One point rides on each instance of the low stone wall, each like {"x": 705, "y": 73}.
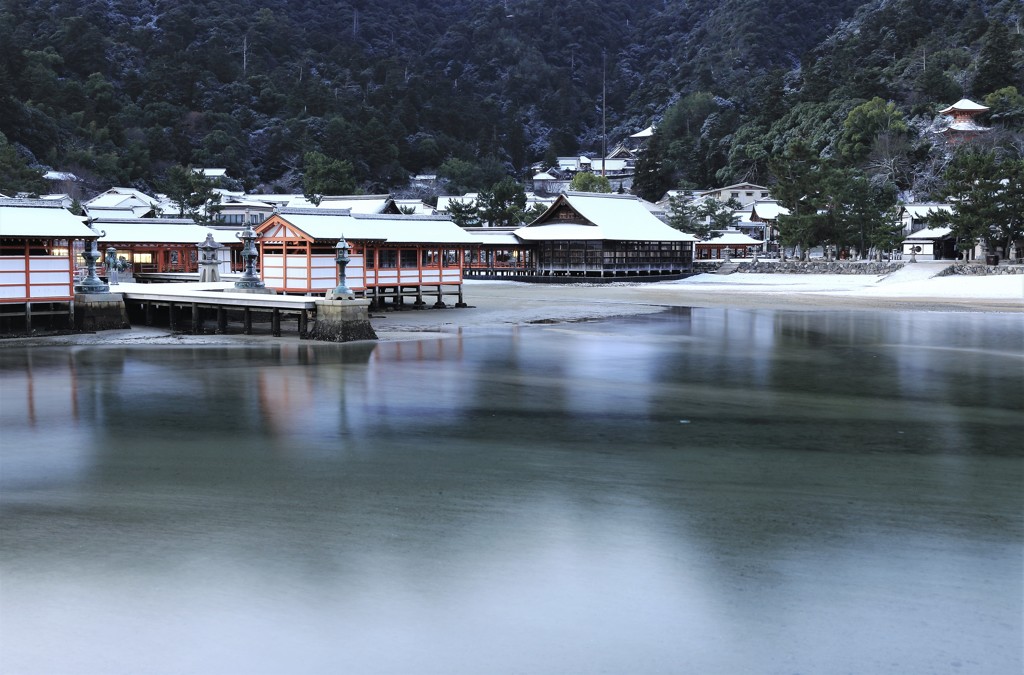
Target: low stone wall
{"x": 706, "y": 266}
{"x": 976, "y": 269}
{"x": 820, "y": 267}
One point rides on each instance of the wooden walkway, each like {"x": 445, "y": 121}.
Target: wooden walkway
{"x": 195, "y": 303}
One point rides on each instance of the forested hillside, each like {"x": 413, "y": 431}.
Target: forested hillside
{"x": 119, "y": 91}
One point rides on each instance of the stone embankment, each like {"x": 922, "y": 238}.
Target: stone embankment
{"x": 980, "y": 270}
{"x": 820, "y": 267}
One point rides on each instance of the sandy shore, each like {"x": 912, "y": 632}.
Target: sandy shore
{"x": 503, "y": 303}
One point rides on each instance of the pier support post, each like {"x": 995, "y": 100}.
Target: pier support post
{"x": 462, "y": 301}
{"x": 197, "y": 323}
{"x": 149, "y": 312}
{"x": 342, "y": 321}
{"x": 247, "y": 321}
{"x": 275, "y": 323}
{"x": 172, "y": 316}
{"x": 222, "y": 320}
{"x": 100, "y": 311}
{"x": 303, "y": 324}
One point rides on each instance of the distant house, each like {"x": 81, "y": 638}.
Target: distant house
{"x": 767, "y": 211}
{"x": 39, "y": 242}
{"x": 915, "y": 216}
{"x": 122, "y": 202}
{"x": 744, "y": 193}
{"x": 605, "y": 235}
{"x": 729, "y": 244}
{"x": 931, "y": 243}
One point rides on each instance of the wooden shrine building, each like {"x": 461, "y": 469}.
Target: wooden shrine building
{"x": 38, "y": 244}
{"x": 390, "y": 255}
{"x": 164, "y": 245}
{"x": 605, "y": 235}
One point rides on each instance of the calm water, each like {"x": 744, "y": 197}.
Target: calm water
{"x": 705, "y": 491}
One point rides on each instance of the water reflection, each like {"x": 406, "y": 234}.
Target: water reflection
{"x": 703, "y": 490}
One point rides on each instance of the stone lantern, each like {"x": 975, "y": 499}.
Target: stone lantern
{"x": 341, "y": 291}
{"x": 208, "y": 263}
{"x": 249, "y": 279}
{"x": 92, "y": 283}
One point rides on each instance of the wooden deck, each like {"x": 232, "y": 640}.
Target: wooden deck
{"x": 219, "y": 303}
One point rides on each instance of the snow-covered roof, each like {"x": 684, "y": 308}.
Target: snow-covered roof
{"x": 444, "y": 202}
{"x": 158, "y": 231}
{"x": 598, "y": 165}
{"x": 355, "y": 203}
{"x": 543, "y": 175}
{"x": 646, "y": 133}
{"x": 924, "y": 210}
{"x": 964, "y": 105}
{"x": 419, "y": 208}
{"x": 965, "y": 125}
{"x": 120, "y": 197}
{"x": 612, "y": 217}
{"x": 212, "y": 173}
{"x": 768, "y": 209}
{"x": 119, "y": 212}
{"x": 931, "y": 233}
{"x": 488, "y": 236}
{"x": 60, "y": 175}
{"x": 732, "y": 239}
{"x": 38, "y": 218}
{"x": 391, "y": 228}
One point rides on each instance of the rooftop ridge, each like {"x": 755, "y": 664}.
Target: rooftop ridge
{"x": 33, "y": 203}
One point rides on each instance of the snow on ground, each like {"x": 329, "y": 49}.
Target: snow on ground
{"x": 913, "y": 281}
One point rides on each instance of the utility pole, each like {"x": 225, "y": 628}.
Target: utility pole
{"x": 604, "y": 111}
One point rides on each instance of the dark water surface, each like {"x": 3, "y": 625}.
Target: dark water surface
{"x": 702, "y": 491}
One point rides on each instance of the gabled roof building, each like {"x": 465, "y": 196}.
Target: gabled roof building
{"x": 605, "y": 235}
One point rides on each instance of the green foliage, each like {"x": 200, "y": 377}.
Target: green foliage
{"x": 1007, "y": 107}
{"x": 987, "y": 193}
{"x": 120, "y": 91}
{"x": 326, "y": 176}
{"x": 867, "y": 123}
{"x": 464, "y": 176}
{"x": 588, "y": 181}
{"x": 192, "y": 193}
{"x": 464, "y": 214}
{"x": 503, "y": 205}
{"x": 703, "y": 218}
{"x": 15, "y": 175}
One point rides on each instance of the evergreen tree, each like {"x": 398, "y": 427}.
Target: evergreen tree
{"x": 326, "y": 176}
{"x": 987, "y": 194}
{"x": 588, "y": 181}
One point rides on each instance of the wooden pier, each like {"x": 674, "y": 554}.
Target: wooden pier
{"x": 221, "y": 301}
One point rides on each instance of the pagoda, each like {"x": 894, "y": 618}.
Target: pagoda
{"x": 964, "y": 126}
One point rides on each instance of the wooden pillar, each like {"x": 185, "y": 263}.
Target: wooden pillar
{"x": 462, "y": 301}
{"x": 149, "y": 312}
{"x": 275, "y": 322}
{"x": 172, "y": 316}
{"x": 222, "y": 320}
{"x": 247, "y": 321}
{"x": 28, "y": 317}
{"x": 197, "y": 323}
{"x": 303, "y": 323}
